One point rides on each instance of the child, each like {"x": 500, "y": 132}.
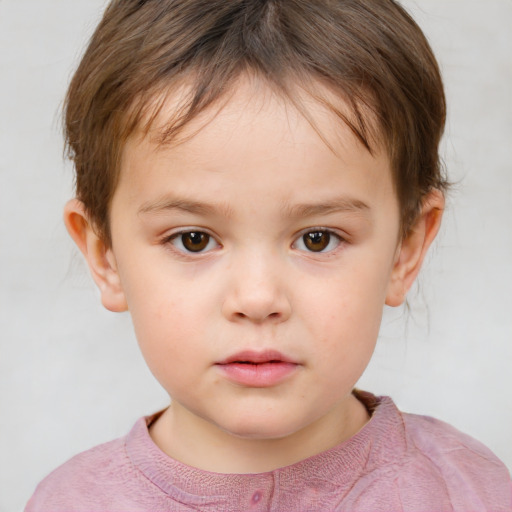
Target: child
{"x": 255, "y": 180}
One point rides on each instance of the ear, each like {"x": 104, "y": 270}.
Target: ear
{"x": 98, "y": 254}
{"x": 413, "y": 248}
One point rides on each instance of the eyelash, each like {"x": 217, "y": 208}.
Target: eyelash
{"x": 331, "y": 236}
{"x": 176, "y": 240}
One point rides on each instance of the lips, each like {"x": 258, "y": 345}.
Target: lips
{"x": 257, "y": 369}
{"x": 255, "y": 357}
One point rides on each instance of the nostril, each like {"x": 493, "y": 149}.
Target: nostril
{"x": 275, "y": 315}
{"x": 256, "y": 308}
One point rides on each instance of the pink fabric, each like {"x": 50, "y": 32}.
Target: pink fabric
{"x": 396, "y": 462}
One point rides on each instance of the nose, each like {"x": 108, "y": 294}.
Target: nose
{"x": 256, "y": 291}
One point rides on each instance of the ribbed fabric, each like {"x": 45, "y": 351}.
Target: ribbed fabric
{"x": 397, "y": 462}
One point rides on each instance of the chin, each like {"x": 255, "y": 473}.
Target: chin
{"x": 260, "y": 428}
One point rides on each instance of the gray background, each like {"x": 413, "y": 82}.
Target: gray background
{"x": 70, "y": 372}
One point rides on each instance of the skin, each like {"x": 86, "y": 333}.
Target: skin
{"x": 255, "y": 177}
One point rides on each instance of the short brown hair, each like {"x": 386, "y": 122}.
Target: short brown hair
{"x": 370, "y": 52}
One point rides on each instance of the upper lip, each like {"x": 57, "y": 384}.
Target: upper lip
{"x": 255, "y": 357}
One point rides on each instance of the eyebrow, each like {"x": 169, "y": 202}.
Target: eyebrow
{"x": 342, "y": 204}
{"x": 337, "y": 205}
{"x": 185, "y": 205}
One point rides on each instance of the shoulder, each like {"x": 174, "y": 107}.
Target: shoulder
{"x": 454, "y": 464}
{"x": 434, "y": 437}
{"x": 99, "y": 477}
{"x": 79, "y": 478}
{"x": 421, "y": 463}
{"x": 445, "y": 446}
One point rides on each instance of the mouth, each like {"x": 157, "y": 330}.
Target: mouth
{"x": 255, "y": 357}
{"x": 257, "y": 369}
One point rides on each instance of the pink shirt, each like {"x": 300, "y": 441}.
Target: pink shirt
{"x": 397, "y": 462}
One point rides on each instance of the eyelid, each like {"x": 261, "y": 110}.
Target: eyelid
{"x": 331, "y": 231}
{"x": 168, "y": 238}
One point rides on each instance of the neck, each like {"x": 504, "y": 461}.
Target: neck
{"x": 198, "y": 443}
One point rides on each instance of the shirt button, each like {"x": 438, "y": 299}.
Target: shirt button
{"x": 256, "y": 497}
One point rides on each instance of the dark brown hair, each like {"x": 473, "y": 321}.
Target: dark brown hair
{"x": 369, "y": 52}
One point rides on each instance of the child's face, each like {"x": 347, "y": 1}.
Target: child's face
{"x": 254, "y": 242}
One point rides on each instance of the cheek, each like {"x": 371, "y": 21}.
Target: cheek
{"x": 347, "y": 337}
{"x": 344, "y": 317}
{"x": 169, "y": 321}
{"x": 343, "y": 354}
{"x": 349, "y": 301}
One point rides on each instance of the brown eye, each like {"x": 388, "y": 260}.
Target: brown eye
{"x": 193, "y": 241}
{"x": 316, "y": 241}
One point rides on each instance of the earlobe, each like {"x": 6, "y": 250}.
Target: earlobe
{"x": 99, "y": 256}
{"x": 413, "y": 248}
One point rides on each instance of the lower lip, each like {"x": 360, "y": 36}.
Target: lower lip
{"x": 261, "y": 375}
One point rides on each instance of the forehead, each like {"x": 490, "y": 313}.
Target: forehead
{"x": 256, "y": 130}
{"x": 177, "y": 111}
